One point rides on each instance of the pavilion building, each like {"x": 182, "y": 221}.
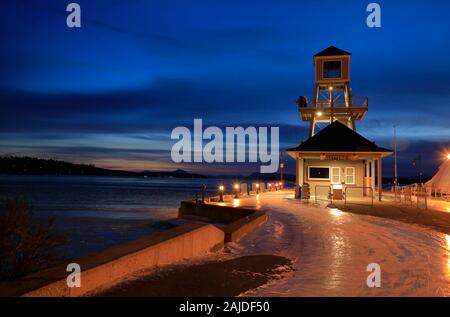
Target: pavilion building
{"x": 336, "y": 156}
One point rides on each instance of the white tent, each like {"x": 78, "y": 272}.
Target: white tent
{"x": 441, "y": 181}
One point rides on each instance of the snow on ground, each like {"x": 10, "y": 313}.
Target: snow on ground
{"x": 331, "y": 249}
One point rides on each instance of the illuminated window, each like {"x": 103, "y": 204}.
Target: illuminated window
{"x": 318, "y": 173}
{"x": 350, "y": 175}
{"x": 332, "y": 69}
{"x": 335, "y": 175}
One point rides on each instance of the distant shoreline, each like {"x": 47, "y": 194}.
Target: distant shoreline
{"x": 13, "y": 165}
{"x": 386, "y": 180}
{"x": 30, "y": 166}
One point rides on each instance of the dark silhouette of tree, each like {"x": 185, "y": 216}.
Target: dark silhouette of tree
{"x": 26, "y": 245}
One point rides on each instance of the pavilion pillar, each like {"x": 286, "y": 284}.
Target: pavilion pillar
{"x": 367, "y": 177}
{"x": 372, "y": 176}
{"x": 380, "y": 178}
{"x": 301, "y": 171}
{"x": 368, "y": 171}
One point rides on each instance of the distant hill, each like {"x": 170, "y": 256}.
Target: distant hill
{"x": 178, "y": 173}
{"x": 271, "y": 177}
{"x": 258, "y": 176}
{"x": 36, "y": 166}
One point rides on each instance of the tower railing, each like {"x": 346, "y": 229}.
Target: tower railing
{"x": 322, "y": 103}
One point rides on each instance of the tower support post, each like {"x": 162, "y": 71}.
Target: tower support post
{"x": 311, "y": 127}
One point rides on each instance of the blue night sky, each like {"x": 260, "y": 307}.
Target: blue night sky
{"x": 111, "y": 92}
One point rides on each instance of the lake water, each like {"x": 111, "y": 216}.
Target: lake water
{"x": 97, "y": 212}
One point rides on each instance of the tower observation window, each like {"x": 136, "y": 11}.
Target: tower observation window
{"x": 332, "y": 69}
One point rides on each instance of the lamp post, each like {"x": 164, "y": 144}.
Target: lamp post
{"x": 203, "y": 193}
{"x": 418, "y": 159}
{"x": 236, "y": 190}
{"x": 395, "y": 157}
{"x": 221, "y": 189}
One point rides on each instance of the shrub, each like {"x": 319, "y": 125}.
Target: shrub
{"x": 26, "y": 245}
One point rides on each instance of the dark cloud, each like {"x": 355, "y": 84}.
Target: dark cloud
{"x": 162, "y": 106}
{"x": 136, "y": 70}
{"x": 87, "y": 153}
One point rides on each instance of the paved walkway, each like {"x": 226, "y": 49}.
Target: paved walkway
{"x": 331, "y": 249}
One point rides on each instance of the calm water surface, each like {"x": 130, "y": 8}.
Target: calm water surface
{"x": 98, "y": 212}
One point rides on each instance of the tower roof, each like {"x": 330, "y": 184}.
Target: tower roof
{"x": 337, "y": 137}
{"x": 332, "y": 51}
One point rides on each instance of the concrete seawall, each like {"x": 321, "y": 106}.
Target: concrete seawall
{"x": 107, "y": 267}
{"x": 237, "y": 222}
{"x": 240, "y": 228}
{"x": 104, "y": 269}
{"x": 212, "y": 213}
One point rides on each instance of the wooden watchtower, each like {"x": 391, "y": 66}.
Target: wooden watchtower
{"x": 333, "y": 99}
{"x": 336, "y": 158}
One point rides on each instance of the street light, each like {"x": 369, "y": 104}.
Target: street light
{"x": 236, "y": 190}
{"x": 221, "y": 189}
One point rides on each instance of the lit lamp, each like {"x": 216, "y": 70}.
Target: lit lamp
{"x": 448, "y": 156}
{"x": 257, "y": 188}
{"x": 270, "y": 186}
{"x": 319, "y": 113}
{"x": 281, "y": 185}
{"x": 221, "y": 189}
{"x": 236, "y": 190}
